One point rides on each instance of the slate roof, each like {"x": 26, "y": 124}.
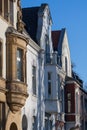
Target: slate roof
{"x": 55, "y": 39}
{"x": 30, "y": 18}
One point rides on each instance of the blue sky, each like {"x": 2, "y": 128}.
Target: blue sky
{"x": 72, "y": 15}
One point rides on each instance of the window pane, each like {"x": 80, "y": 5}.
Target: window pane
{"x": 69, "y": 106}
{"x": 34, "y": 124}
{"x": 0, "y": 59}
{"x": 11, "y": 11}
{"x": 59, "y": 85}
{"x": 69, "y": 96}
{"x": 2, "y": 115}
{"x": 6, "y": 12}
{"x": 49, "y": 83}
{"x": 19, "y": 64}
{"x": 49, "y": 88}
{"x": 34, "y": 79}
{"x": 0, "y": 7}
{"x": 49, "y": 75}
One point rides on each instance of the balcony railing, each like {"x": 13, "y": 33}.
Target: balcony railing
{"x": 53, "y": 58}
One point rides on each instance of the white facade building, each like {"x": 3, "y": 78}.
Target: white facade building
{"x": 52, "y": 64}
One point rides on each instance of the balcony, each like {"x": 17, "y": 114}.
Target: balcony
{"x": 52, "y": 58}
{"x": 52, "y": 105}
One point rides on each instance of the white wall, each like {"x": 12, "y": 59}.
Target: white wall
{"x": 66, "y": 53}
{"x": 30, "y": 108}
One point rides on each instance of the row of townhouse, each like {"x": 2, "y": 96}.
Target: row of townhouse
{"x": 38, "y": 90}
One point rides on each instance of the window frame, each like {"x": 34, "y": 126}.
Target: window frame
{"x": 18, "y": 59}
{"x": 34, "y": 89}
{"x": 49, "y": 84}
{"x": 6, "y": 8}
{"x": 69, "y": 104}
{"x": 1, "y": 57}
{"x": 2, "y": 115}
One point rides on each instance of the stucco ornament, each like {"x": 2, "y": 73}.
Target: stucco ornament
{"x": 20, "y": 23}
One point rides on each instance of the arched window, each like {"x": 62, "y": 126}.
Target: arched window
{"x": 13, "y": 126}
{"x": 24, "y": 123}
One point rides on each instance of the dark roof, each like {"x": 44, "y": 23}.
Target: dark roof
{"x": 30, "y": 18}
{"x": 55, "y": 39}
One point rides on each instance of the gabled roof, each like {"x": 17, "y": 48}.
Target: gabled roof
{"x": 30, "y": 18}
{"x": 55, "y": 39}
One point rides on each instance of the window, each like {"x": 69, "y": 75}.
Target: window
{"x": 11, "y": 12}
{"x": 66, "y": 65}
{"x": 20, "y": 64}
{"x": 24, "y": 122}
{"x": 34, "y": 124}
{"x": 69, "y": 101}
{"x": 49, "y": 83}
{"x": 48, "y": 59}
{"x": 59, "y": 85}
{"x": 85, "y": 105}
{"x": 2, "y": 115}
{"x": 34, "y": 79}
{"x": 0, "y": 59}
{"x": 6, "y": 10}
{"x": 0, "y": 7}
{"x": 48, "y": 122}
{"x": 13, "y": 126}
{"x": 77, "y": 103}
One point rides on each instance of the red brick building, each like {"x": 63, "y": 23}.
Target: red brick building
{"x": 75, "y": 104}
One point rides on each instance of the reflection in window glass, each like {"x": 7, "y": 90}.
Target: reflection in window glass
{"x": 20, "y": 64}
